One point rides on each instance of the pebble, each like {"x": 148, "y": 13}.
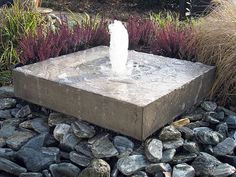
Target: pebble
{"x": 231, "y": 121}
{"x": 230, "y": 159}
{"x": 69, "y": 141}
{"x": 97, "y": 168}
{"x": 31, "y": 174}
{"x": 211, "y": 119}
{"x": 36, "y": 142}
{"x": 197, "y": 124}
{"x": 223, "y": 170}
{"x": 153, "y": 150}
{"x": 23, "y": 112}
{"x": 6, "y": 103}
{"x": 222, "y": 129}
{"x": 5, "y": 114}
{"x": 115, "y": 171}
{"x": 80, "y": 159}
{"x": 2, "y": 142}
{"x": 123, "y": 145}
{"x": 64, "y": 169}
{"x": 7, "y": 153}
{"x": 131, "y": 164}
{"x": 184, "y": 157}
{"x": 174, "y": 144}
{"x": 191, "y": 147}
{"x": 46, "y": 173}
{"x": 84, "y": 148}
{"x": 157, "y": 167}
{"x": 140, "y": 174}
{"x": 6, "y": 92}
{"x": 168, "y": 155}
{"x": 169, "y": 133}
{"x": 226, "y": 111}
{"x": 181, "y": 122}
{"x": 226, "y": 147}
{"x": 186, "y": 132}
{"x": 59, "y": 118}
{"x": 38, "y": 124}
{"x": 183, "y": 170}
{"x": 209, "y": 106}
{"x": 14, "y": 111}
{"x": 82, "y": 129}
{"x": 11, "y": 167}
{"x": 194, "y": 117}
{"x": 60, "y": 130}
{"x": 103, "y": 148}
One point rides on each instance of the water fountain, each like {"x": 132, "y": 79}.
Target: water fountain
{"x": 133, "y": 95}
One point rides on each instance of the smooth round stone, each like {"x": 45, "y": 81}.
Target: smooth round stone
{"x": 205, "y": 135}
{"x": 123, "y": 145}
{"x": 83, "y": 130}
{"x": 222, "y": 129}
{"x": 5, "y": 114}
{"x": 31, "y": 174}
{"x": 131, "y": 164}
{"x": 60, "y": 130}
{"x": 209, "y": 106}
{"x": 204, "y": 164}
{"x": 59, "y": 118}
{"x": 153, "y": 150}
{"x": 103, "y": 148}
{"x": 11, "y": 167}
{"x": 226, "y": 147}
{"x": 157, "y": 167}
{"x": 231, "y": 121}
{"x": 84, "y": 148}
{"x": 191, "y": 147}
{"x": 169, "y": 133}
{"x": 181, "y": 122}
{"x": 174, "y": 144}
{"x": 183, "y": 170}
{"x": 223, "y": 170}
{"x": 97, "y": 168}
{"x": 69, "y": 141}
{"x": 23, "y": 112}
{"x": 80, "y": 159}
{"x": 97, "y": 137}
{"x": 168, "y": 155}
{"x": 182, "y": 158}
{"x": 140, "y": 174}
{"x": 6, "y": 91}
{"x": 64, "y": 169}
{"x": 186, "y": 132}
{"x": 6, "y": 103}
{"x": 217, "y": 115}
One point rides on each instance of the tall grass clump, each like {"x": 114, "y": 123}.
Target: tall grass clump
{"x": 215, "y": 43}
{"x": 15, "y": 22}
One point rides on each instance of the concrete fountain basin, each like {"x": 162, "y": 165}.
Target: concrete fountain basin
{"x": 155, "y": 91}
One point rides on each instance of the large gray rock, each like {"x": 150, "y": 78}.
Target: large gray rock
{"x": 123, "y": 145}
{"x": 97, "y": 168}
{"x": 82, "y": 129}
{"x": 183, "y": 170}
{"x": 225, "y": 147}
{"x": 11, "y": 167}
{"x": 153, "y": 150}
{"x": 169, "y": 133}
{"x": 6, "y": 103}
{"x": 131, "y": 164}
{"x": 64, "y": 169}
{"x": 103, "y": 148}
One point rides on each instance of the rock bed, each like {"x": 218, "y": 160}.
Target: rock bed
{"x": 35, "y": 142}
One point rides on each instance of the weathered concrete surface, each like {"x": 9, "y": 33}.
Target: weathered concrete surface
{"x": 155, "y": 90}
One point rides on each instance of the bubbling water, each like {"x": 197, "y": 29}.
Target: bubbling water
{"x": 118, "y": 51}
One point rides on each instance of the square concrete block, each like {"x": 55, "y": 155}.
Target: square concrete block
{"x": 155, "y": 90}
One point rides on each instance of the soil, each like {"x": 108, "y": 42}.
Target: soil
{"x": 113, "y": 9}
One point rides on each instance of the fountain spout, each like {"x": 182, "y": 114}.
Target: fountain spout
{"x": 119, "y": 42}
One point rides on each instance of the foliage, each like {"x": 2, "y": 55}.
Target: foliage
{"x": 14, "y": 22}
{"x": 215, "y": 43}
{"x": 47, "y": 43}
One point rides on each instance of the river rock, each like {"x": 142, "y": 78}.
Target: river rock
{"x": 183, "y": 157}
{"x": 225, "y": 147}
{"x": 36, "y": 142}
{"x": 131, "y": 164}
{"x": 230, "y": 159}
{"x": 97, "y": 137}
{"x": 2, "y": 142}
{"x": 115, "y": 171}
{"x": 223, "y": 170}
{"x": 157, "y": 167}
{"x": 31, "y": 174}
{"x": 36, "y": 160}
{"x": 169, "y": 133}
{"x": 181, "y": 122}
{"x": 191, "y": 147}
{"x": 14, "y": 111}
{"x": 80, "y": 159}
{"x": 7, "y": 153}
{"x": 82, "y": 129}
{"x": 173, "y": 144}
{"x": 195, "y": 117}
{"x": 6, "y": 91}
{"x": 11, "y": 167}
{"x": 205, "y": 135}
{"x": 204, "y": 164}
{"x": 60, "y": 130}
{"x": 168, "y": 155}
{"x": 140, "y": 174}
{"x": 38, "y": 124}
{"x": 64, "y": 169}
{"x": 69, "y": 141}
{"x": 198, "y": 124}
{"x": 226, "y": 111}
{"x": 222, "y": 129}
{"x": 209, "y": 106}
{"x": 6, "y": 103}
{"x": 59, "y": 118}
{"x": 217, "y": 115}
{"x": 183, "y": 170}
{"x": 123, "y": 145}
{"x": 84, "y": 148}
{"x": 46, "y": 173}
{"x": 186, "y": 132}
{"x": 211, "y": 119}
{"x": 5, "y": 114}
{"x": 153, "y": 150}
{"x": 97, "y": 168}
{"x": 103, "y": 148}
{"x": 23, "y": 112}
{"x": 231, "y": 121}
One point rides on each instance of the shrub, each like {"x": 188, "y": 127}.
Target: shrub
{"x": 215, "y": 44}
{"x": 14, "y": 22}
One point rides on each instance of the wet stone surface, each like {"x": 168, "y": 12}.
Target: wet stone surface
{"x": 43, "y": 144}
